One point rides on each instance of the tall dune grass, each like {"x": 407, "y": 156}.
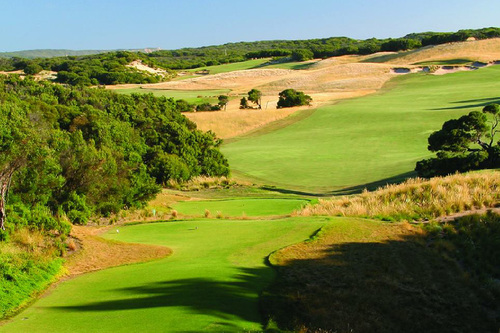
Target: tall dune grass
{"x": 417, "y": 198}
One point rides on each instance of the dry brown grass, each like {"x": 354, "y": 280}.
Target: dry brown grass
{"x": 234, "y": 122}
{"x": 482, "y": 50}
{"x": 227, "y": 124}
{"x": 417, "y": 198}
{"x": 97, "y": 253}
{"x": 198, "y": 183}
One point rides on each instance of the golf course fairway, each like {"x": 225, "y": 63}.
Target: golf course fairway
{"x": 211, "y": 282}
{"x": 367, "y": 140}
{"x": 241, "y": 207}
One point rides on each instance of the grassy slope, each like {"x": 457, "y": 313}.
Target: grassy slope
{"x": 191, "y": 96}
{"x": 237, "y": 66}
{"x": 241, "y": 207}
{"x": 296, "y": 65}
{"x": 364, "y": 140}
{"x": 210, "y": 283}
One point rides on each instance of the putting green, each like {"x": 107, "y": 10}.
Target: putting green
{"x": 373, "y": 139}
{"x": 241, "y": 207}
{"x": 210, "y": 283}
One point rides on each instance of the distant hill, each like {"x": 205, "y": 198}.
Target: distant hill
{"x": 51, "y": 53}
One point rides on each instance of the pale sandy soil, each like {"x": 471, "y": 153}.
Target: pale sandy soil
{"x": 137, "y": 64}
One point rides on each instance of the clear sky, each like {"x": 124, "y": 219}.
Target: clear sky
{"x": 171, "y": 24}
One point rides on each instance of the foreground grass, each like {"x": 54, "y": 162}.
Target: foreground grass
{"x": 240, "y": 207}
{"x": 210, "y": 283}
{"x": 367, "y": 276}
{"x": 417, "y": 198}
{"x": 191, "y": 96}
{"x": 28, "y": 264}
{"x": 365, "y": 142}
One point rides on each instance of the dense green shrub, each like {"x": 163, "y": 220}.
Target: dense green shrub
{"x": 302, "y": 55}
{"x": 33, "y": 69}
{"x": 78, "y": 151}
{"x": 291, "y": 97}
{"x": 464, "y": 144}
{"x": 208, "y": 107}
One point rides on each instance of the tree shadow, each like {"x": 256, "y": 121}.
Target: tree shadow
{"x": 347, "y": 190}
{"x": 225, "y": 300}
{"x": 471, "y": 103}
{"x": 391, "y": 286}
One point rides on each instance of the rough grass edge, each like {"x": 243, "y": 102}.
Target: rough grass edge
{"x": 416, "y": 198}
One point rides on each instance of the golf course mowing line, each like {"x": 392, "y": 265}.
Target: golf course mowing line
{"x": 211, "y": 282}
{"x": 235, "y": 66}
{"x": 241, "y": 207}
{"x": 364, "y": 140}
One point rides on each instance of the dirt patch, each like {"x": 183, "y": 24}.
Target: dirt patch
{"x": 137, "y": 64}
{"x": 97, "y": 253}
{"x": 452, "y": 69}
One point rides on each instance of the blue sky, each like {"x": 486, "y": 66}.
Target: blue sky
{"x": 168, "y": 24}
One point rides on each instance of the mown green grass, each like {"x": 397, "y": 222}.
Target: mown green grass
{"x": 237, "y": 66}
{"x": 240, "y": 207}
{"x": 210, "y": 283}
{"x": 373, "y": 139}
{"x": 191, "y": 96}
{"x": 295, "y": 65}
{"x": 446, "y": 62}
{"x": 22, "y": 277}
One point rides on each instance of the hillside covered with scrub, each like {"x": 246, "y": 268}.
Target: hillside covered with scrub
{"x": 111, "y": 67}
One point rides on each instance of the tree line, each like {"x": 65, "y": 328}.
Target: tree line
{"x": 109, "y": 68}
{"x": 73, "y": 152}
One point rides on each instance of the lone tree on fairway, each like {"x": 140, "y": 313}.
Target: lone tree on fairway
{"x": 255, "y": 96}
{"x": 463, "y": 144}
{"x": 292, "y": 97}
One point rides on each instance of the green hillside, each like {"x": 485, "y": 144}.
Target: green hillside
{"x": 369, "y": 140}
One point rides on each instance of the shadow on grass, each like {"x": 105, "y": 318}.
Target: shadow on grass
{"x": 391, "y": 286}
{"x": 471, "y": 103}
{"x": 348, "y": 190}
{"x": 222, "y": 299}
